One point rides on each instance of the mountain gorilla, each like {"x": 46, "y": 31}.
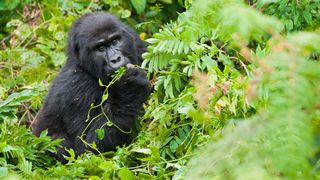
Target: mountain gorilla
{"x": 98, "y": 45}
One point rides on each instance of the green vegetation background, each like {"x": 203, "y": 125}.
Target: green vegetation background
{"x": 236, "y": 89}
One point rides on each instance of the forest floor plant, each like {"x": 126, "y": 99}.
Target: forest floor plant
{"x": 235, "y": 92}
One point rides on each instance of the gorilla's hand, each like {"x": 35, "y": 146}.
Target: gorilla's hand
{"x": 135, "y": 77}
{"x": 134, "y": 84}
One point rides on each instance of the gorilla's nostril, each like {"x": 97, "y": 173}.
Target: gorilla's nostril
{"x": 115, "y": 60}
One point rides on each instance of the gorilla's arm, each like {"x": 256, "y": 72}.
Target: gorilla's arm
{"x": 65, "y": 107}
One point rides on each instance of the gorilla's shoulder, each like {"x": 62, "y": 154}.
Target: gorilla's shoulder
{"x": 72, "y": 80}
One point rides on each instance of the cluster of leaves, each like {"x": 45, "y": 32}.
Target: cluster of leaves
{"x": 295, "y": 15}
{"x": 228, "y": 80}
{"x": 7, "y": 12}
{"x": 279, "y": 141}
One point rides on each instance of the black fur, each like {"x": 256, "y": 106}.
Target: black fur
{"x": 76, "y": 87}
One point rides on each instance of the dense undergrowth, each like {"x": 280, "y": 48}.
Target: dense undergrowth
{"x": 236, "y": 90}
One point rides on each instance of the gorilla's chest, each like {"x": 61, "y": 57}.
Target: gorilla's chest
{"x": 79, "y": 96}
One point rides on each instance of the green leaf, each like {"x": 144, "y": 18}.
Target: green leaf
{"x": 107, "y": 165}
{"x": 167, "y": 81}
{"x": 60, "y": 35}
{"x": 19, "y": 97}
{"x": 142, "y": 150}
{"x": 155, "y": 152}
{"x": 100, "y": 133}
{"x": 125, "y": 174}
{"x": 101, "y": 83}
{"x": 58, "y": 58}
{"x": 169, "y": 91}
{"x": 139, "y": 5}
{"x": 94, "y": 178}
{"x": 288, "y": 24}
{"x": 167, "y": 140}
{"x": 71, "y": 156}
{"x": 104, "y": 97}
{"x": 167, "y": 1}
{"x": 125, "y": 14}
{"x": 307, "y": 16}
{"x": 9, "y": 5}
{"x": 182, "y": 134}
{"x": 44, "y": 133}
{"x": 109, "y": 123}
{"x": 152, "y": 41}
{"x": 3, "y": 171}
{"x": 173, "y": 146}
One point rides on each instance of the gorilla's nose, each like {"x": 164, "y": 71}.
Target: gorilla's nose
{"x": 115, "y": 59}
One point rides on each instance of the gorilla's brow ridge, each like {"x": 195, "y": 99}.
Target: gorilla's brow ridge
{"x": 109, "y": 38}
{"x": 101, "y": 41}
{"x": 113, "y": 35}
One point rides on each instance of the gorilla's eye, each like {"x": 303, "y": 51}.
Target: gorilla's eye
{"x": 115, "y": 41}
{"x": 101, "y": 48}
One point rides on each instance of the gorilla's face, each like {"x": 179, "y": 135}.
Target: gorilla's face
{"x": 102, "y": 45}
{"x": 108, "y": 51}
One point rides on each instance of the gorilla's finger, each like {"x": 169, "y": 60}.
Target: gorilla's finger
{"x": 129, "y": 66}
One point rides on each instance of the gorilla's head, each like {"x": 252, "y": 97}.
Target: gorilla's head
{"x": 100, "y": 44}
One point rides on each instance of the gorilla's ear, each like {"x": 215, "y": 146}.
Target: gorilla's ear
{"x": 141, "y": 48}
{"x": 73, "y": 44}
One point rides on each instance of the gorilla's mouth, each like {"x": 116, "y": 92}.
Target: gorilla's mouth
{"x": 109, "y": 71}
{"x": 113, "y": 66}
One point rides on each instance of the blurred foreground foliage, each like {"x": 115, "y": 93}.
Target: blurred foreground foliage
{"x": 236, "y": 89}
